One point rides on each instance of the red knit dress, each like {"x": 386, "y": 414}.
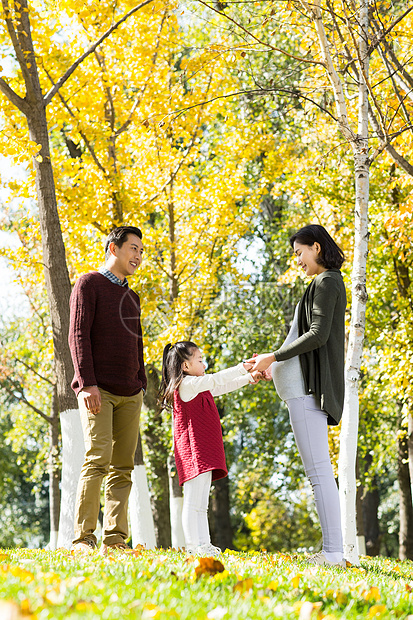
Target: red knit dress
{"x": 198, "y": 442}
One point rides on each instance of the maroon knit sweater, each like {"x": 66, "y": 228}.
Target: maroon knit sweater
{"x": 105, "y": 336}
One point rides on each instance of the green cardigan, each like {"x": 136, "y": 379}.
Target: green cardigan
{"x": 320, "y": 344}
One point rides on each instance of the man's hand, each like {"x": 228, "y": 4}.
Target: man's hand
{"x": 261, "y": 362}
{"x": 92, "y": 399}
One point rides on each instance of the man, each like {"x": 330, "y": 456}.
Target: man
{"x": 105, "y": 341}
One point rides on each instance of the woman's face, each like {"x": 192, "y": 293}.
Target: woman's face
{"x": 307, "y": 258}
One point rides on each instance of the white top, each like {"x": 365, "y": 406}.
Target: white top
{"x": 287, "y": 376}
{"x": 217, "y": 383}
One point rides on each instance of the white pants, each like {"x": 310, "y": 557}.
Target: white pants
{"x": 309, "y": 424}
{"x": 195, "y": 510}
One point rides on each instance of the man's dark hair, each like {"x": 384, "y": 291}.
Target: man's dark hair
{"x": 119, "y": 235}
{"x": 331, "y": 256}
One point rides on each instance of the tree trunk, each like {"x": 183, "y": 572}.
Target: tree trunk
{"x": 54, "y": 473}
{"x": 349, "y": 428}
{"x": 405, "y": 494}
{"x": 221, "y": 528}
{"x": 58, "y": 292}
{"x": 370, "y": 505}
{"x": 155, "y": 441}
{"x": 361, "y": 540}
{"x": 142, "y": 525}
{"x": 54, "y": 260}
{"x": 176, "y": 501}
{"x": 410, "y": 445}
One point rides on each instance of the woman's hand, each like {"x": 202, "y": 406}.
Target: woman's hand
{"x": 261, "y": 362}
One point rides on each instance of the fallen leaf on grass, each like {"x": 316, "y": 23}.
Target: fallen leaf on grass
{"x": 151, "y": 611}
{"x": 9, "y": 610}
{"x": 25, "y": 607}
{"x": 21, "y": 573}
{"x": 372, "y": 595}
{"x": 376, "y": 611}
{"x": 244, "y": 585}
{"x": 296, "y": 580}
{"x": 273, "y": 585}
{"x": 208, "y": 566}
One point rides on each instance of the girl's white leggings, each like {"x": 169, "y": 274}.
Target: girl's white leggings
{"x": 195, "y": 510}
{"x": 309, "y": 424}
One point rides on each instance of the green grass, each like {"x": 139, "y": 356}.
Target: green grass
{"x": 164, "y": 584}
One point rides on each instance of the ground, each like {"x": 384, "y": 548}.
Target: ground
{"x": 37, "y": 584}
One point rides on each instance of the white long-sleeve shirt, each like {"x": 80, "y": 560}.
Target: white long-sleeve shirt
{"x": 218, "y": 383}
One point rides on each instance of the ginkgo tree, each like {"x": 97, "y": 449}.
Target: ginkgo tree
{"x": 335, "y": 45}
{"x": 182, "y": 183}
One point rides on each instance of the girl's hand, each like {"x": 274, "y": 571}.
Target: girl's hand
{"x": 256, "y": 375}
{"x": 261, "y": 362}
{"x": 267, "y": 374}
{"x": 247, "y": 365}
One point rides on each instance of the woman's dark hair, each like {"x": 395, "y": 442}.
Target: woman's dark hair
{"x": 331, "y": 256}
{"x": 119, "y": 235}
{"x": 172, "y": 373}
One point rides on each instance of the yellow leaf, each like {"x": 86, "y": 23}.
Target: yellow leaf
{"x": 295, "y": 580}
{"x": 376, "y": 611}
{"x": 243, "y": 586}
{"x": 208, "y": 566}
{"x": 273, "y": 585}
{"x": 372, "y": 595}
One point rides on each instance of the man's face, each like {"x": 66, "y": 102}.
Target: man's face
{"x": 127, "y": 258}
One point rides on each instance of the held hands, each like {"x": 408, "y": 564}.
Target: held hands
{"x": 92, "y": 398}
{"x": 261, "y": 362}
{"x": 257, "y": 376}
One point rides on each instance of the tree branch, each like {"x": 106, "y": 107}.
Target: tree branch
{"x": 17, "y": 46}
{"x": 49, "y": 96}
{"x": 81, "y": 133}
{"x": 315, "y": 12}
{"x": 144, "y": 87}
{"x": 385, "y": 145}
{"x": 379, "y": 37}
{"x": 13, "y": 97}
{"x": 275, "y": 49}
{"x": 34, "y": 371}
{"x": 21, "y": 398}
{"x": 293, "y": 93}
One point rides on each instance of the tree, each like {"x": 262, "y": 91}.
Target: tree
{"x": 32, "y": 103}
{"x": 346, "y": 30}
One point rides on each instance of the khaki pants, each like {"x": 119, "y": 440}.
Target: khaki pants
{"x": 111, "y": 438}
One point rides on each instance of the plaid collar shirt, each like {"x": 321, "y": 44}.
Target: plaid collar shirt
{"x": 111, "y": 276}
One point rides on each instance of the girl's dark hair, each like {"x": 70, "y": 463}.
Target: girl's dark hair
{"x": 172, "y": 373}
{"x": 331, "y": 256}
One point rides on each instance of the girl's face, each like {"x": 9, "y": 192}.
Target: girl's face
{"x": 307, "y": 258}
{"x": 195, "y": 366}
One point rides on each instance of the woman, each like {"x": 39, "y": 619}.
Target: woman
{"x": 308, "y": 373}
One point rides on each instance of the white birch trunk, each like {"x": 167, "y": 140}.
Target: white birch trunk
{"x": 359, "y": 142}
{"x": 73, "y": 455}
{"x": 177, "y": 532}
{"x": 349, "y": 429}
{"x": 141, "y": 518}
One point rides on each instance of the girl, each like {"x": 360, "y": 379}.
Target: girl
{"x": 198, "y": 444}
{"x": 308, "y": 373}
